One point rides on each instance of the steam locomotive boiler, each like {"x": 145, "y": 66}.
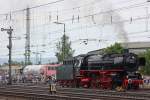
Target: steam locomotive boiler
{"x": 111, "y": 71}
{"x": 107, "y": 71}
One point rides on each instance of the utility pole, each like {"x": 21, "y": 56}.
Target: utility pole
{"x": 9, "y": 31}
{"x": 27, "y": 44}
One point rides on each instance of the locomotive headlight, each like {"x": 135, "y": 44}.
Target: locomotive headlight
{"x": 142, "y": 76}
{"x": 127, "y": 76}
{"x": 129, "y": 81}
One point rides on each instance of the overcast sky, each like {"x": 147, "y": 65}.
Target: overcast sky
{"x": 126, "y": 24}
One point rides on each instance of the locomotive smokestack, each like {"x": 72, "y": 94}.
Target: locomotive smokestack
{"x": 126, "y": 50}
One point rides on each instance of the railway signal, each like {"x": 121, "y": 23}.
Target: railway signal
{"x": 9, "y": 31}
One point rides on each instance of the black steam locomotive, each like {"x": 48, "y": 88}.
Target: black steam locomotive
{"x": 102, "y": 71}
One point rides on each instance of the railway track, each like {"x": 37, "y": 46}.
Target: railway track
{"x": 83, "y": 90}
{"x": 72, "y": 93}
{"x": 67, "y": 95}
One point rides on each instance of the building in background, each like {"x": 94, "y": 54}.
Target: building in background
{"x": 16, "y": 69}
{"x": 134, "y": 47}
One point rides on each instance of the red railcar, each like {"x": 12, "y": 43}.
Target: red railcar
{"x": 107, "y": 71}
{"x": 49, "y": 70}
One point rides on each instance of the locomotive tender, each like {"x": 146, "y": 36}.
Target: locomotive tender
{"x": 107, "y": 71}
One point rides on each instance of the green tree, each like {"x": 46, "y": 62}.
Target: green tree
{"x": 146, "y": 69}
{"x": 115, "y": 48}
{"x": 64, "y": 49}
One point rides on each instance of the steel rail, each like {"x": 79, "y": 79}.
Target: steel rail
{"x": 145, "y": 94}
{"x": 78, "y": 92}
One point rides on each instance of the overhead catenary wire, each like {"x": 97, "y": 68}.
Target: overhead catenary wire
{"x": 81, "y": 17}
{"x": 123, "y": 21}
{"x": 55, "y": 2}
{"x": 132, "y": 33}
{"x": 109, "y": 11}
{"x": 104, "y": 24}
{"x": 42, "y": 5}
{"x": 20, "y": 10}
{"x": 78, "y": 7}
{"x": 103, "y": 12}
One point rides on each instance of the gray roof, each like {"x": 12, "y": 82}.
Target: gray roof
{"x": 135, "y": 47}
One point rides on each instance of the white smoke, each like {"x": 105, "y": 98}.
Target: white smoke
{"x": 106, "y": 18}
